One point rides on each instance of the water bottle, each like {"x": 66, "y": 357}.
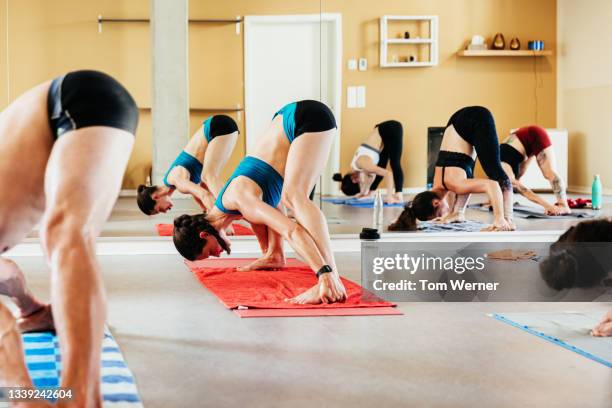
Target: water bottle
{"x": 377, "y": 214}
{"x": 596, "y": 193}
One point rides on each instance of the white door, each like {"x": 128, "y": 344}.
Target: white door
{"x": 290, "y": 58}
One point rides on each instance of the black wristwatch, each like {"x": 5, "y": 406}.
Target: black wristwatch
{"x": 324, "y": 269}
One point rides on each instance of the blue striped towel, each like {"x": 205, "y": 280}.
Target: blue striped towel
{"x": 43, "y": 359}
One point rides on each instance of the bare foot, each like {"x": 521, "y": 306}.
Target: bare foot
{"x": 13, "y": 371}
{"x": 263, "y": 264}
{"x": 39, "y": 321}
{"x": 310, "y": 297}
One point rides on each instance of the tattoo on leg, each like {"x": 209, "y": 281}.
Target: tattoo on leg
{"x": 559, "y": 189}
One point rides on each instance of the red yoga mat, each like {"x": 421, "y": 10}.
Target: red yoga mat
{"x": 262, "y": 293}
{"x": 165, "y": 230}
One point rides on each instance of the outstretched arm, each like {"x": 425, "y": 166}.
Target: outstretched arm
{"x": 547, "y": 162}
{"x": 371, "y": 170}
{"x": 491, "y": 189}
{"x": 180, "y": 178}
{"x": 329, "y": 288}
{"x": 256, "y": 211}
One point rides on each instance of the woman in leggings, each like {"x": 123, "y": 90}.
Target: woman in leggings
{"x": 283, "y": 168}
{"x": 369, "y": 165}
{"x": 78, "y": 132}
{"x": 518, "y": 152}
{"x": 469, "y": 129}
{"x": 196, "y": 170}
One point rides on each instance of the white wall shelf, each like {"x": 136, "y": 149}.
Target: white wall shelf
{"x": 431, "y": 42}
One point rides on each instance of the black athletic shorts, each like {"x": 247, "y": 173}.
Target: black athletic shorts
{"x": 82, "y": 99}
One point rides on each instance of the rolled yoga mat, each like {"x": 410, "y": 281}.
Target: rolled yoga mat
{"x": 570, "y": 330}
{"x": 264, "y": 292}
{"x": 43, "y": 359}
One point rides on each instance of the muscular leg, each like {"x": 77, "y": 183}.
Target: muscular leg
{"x": 271, "y": 244}
{"x": 305, "y": 162}
{"x": 82, "y": 182}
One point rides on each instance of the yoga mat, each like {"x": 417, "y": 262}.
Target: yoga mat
{"x": 43, "y": 360}
{"x": 165, "y": 230}
{"x": 356, "y": 202}
{"x": 347, "y": 311}
{"x": 466, "y": 226}
{"x": 570, "y": 330}
{"x": 526, "y": 211}
{"x": 268, "y": 289}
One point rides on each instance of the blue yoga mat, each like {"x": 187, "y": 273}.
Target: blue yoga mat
{"x": 570, "y": 330}
{"x": 43, "y": 360}
{"x": 465, "y": 226}
{"x": 356, "y": 202}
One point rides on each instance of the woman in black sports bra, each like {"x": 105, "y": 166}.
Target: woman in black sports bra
{"x": 469, "y": 130}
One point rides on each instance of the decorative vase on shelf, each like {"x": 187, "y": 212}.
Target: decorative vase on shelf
{"x": 515, "y": 44}
{"x": 499, "y": 43}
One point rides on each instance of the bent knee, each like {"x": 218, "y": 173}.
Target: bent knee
{"x": 63, "y": 228}
{"x": 292, "y": 198}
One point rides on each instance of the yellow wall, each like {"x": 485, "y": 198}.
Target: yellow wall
{"x": 585, "y": 89}
{"x": 48, "y": 38}
{"x": 422, "y": 97}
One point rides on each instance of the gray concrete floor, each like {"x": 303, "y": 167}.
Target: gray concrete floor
{"x": 186, "y": 350}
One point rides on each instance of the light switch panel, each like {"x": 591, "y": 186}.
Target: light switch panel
{"x": 351, "y": 97}
{"x": 352, "y": 64}
{"x": 361, "y": 96}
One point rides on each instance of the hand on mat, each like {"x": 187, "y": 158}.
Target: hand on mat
{"x": 558, "y": 209}
{"x": 394, "y": 198}
{"x": 264, "y": 263}
{"x": 450, "y": 218}
{"x": 499, "y": 225}
{"x": 329, "y": 290}
{"x": 364, "y": 196}
{"x": 604, "y": 328}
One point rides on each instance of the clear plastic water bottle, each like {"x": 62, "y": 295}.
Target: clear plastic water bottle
{"x": 377, "y": 214}
{"x": 596, "y": 193}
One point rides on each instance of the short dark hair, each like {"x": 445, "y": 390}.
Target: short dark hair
{"x": 186, "y": 235}
{"x": 347, "y": 185}
{"x": 421, "y": 208}
{"x": 569, "y": 265}
{"x": 145, "y": 202}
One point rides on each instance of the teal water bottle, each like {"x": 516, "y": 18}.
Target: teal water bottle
{"x": 596, "y": 193}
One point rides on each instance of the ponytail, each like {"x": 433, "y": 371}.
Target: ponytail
{"x": 347, "y": 185}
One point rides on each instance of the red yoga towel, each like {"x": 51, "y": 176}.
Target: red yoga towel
{"x": 165, "y": 230}
{"x": 268, "y": 289}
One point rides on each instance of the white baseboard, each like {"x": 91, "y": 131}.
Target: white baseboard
{"x": 586, "y": 190}
{"x": 340, "y": 243}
